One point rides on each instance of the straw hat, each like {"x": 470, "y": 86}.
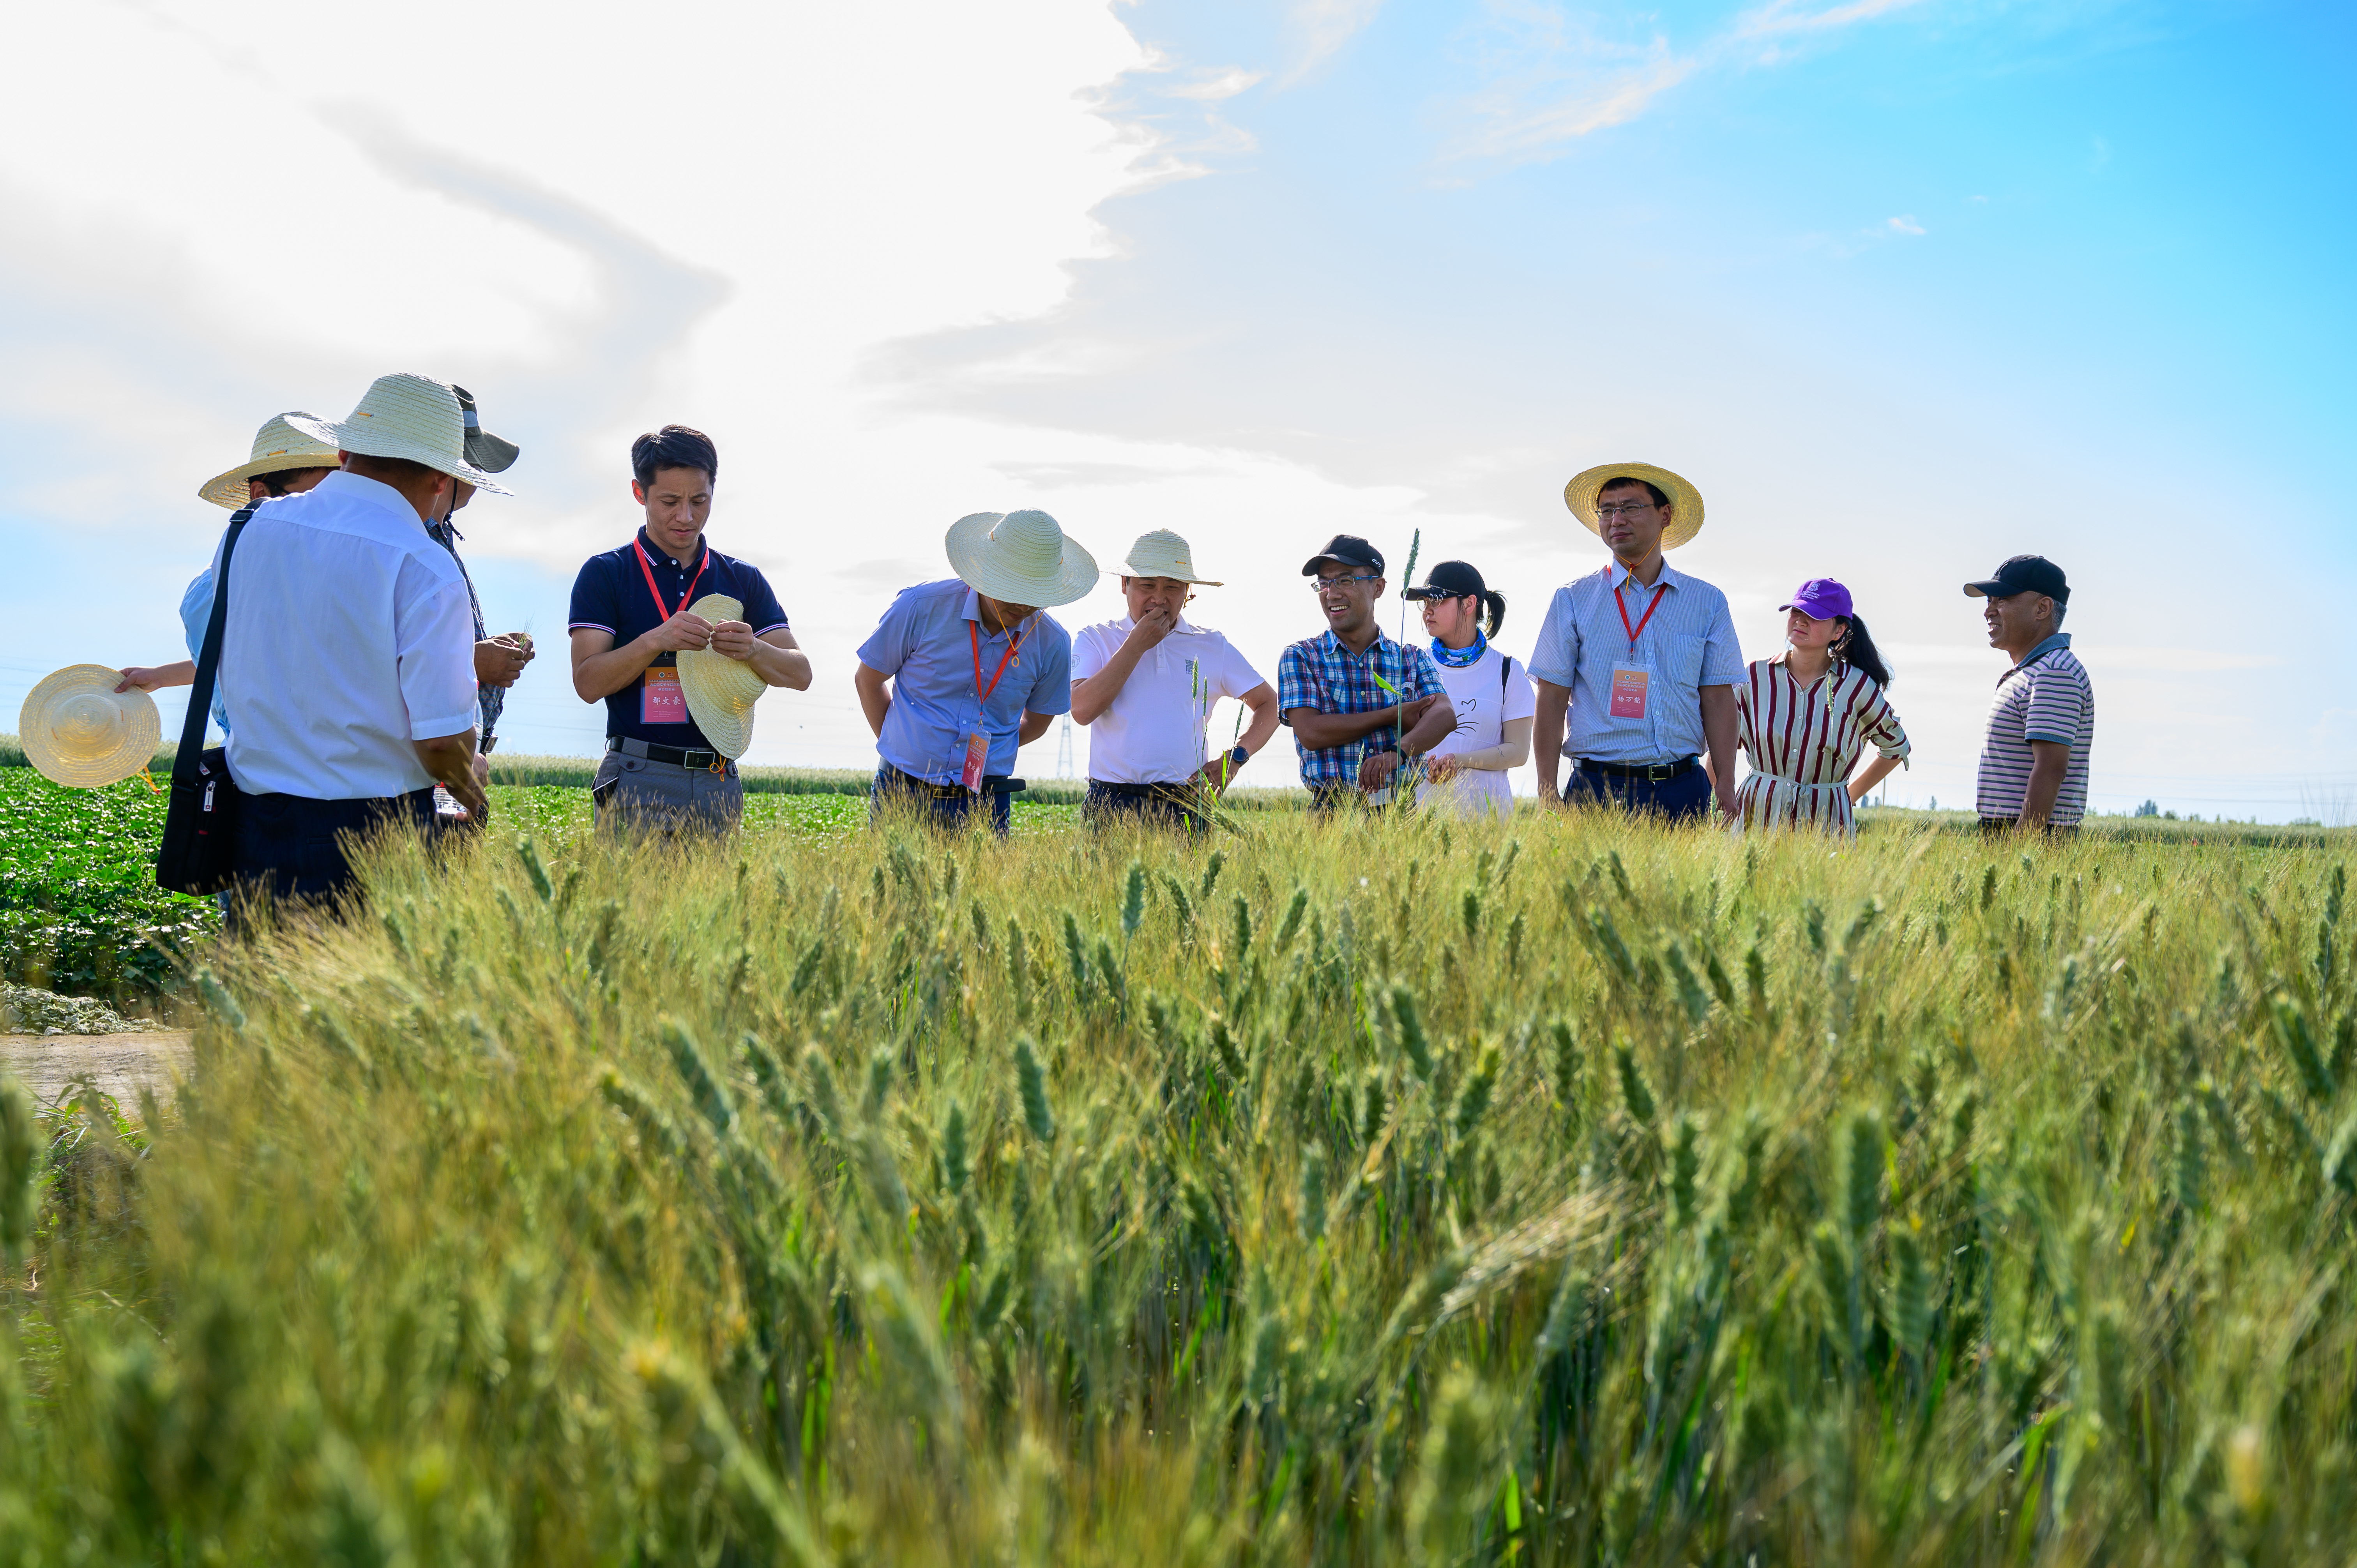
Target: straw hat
{"x": 1685, "y": 516}
{"x": 1163, "y": 554}
{"x": 720, "y": 690}
{"x": 1020, "y": 557}
{"x": 412, "y": 417}
{"x": 277, "y": 447}
{"x": 79, "y": 730}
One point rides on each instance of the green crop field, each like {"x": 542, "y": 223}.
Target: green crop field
{"x": 1562, "y": 1192}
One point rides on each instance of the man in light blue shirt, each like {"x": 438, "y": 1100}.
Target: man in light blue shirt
{"x": 1643, "y": 656}
{"x": 976, "y": 669}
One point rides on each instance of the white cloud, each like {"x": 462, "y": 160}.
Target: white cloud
{"x": 1320, "y": 27}
{"x": 1904, "y": 224}
{"x": 594, "y": 247}
{"x": 1509, "y": 125}
{"x": 1790, "y": 17}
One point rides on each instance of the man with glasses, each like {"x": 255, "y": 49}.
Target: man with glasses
{"x": 1638, "y": 660}
{"x": 1359, "y": 702}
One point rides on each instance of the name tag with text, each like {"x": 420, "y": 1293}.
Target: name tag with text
{"x": 1629, "y": 683}
{"x": 662, "y": 699}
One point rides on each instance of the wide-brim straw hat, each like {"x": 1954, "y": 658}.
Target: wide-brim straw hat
{"x": 414, "y": 418}
{"x": 277, "y": 448}
{"x": 1686, "y": 502}
{"x": 1163, "y": 554}
{"x": 79, "y": 730}
{"x": 720, "y": 690}
{"x": 1020, "y": 558}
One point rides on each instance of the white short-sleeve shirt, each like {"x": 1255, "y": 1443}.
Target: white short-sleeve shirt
{"x": 349, "y": 636}
{"x": 1490, "y": 693}
{"x": 1153, "y": 731}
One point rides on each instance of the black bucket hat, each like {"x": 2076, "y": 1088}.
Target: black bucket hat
{"x": 484, "y": 450}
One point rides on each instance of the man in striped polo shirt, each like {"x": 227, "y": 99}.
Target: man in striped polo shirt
{"x": 2034, "y": 759}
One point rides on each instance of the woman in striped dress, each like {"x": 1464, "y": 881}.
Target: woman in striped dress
{"x": 1806, "y": 717}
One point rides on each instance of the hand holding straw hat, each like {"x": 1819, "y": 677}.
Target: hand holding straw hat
{"x": 720, "y": 690}
{"x": 1686, "y": 502}
{"x": 77, "y": 729}
{"x": 415, "y": 419}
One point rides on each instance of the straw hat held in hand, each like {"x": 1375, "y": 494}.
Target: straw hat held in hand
{"x": 77, "y": 729}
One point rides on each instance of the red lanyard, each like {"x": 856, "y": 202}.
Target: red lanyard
{"x": 1633, "y": 631}
{"x": 687, "y": 598}
{"x": 982, "y": 693}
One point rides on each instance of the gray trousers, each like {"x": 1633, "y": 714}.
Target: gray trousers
{"x": 644, "y": 796}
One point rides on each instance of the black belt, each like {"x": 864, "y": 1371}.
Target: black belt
{"x": 992, "y": 784}
{"x": 1652, "y": 772}
{"x": 677, "y": 756}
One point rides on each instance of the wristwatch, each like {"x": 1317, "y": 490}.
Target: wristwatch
{"x": 1239, "y": 757}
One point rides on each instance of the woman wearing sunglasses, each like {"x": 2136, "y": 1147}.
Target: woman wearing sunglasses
{"x": 1492, "y": 692}
{"x": 1805, "y": 717}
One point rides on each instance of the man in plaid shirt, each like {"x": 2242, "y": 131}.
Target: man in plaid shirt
{"x": 1332, "y": 689}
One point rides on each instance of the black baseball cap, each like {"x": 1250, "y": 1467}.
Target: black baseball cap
{"x": 1349, "y": 550}
{"x": 2024, "y": 574}
{"x": 1448, "y": 580}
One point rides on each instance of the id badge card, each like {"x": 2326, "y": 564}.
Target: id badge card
{"x": 977, "y": 756}
{"x": 1629, "y": 683}
{"x": 662, "y": 699}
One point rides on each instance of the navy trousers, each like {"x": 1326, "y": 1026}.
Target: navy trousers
{"x": 1684, "y": 799}
{"x": 292, "y": 848}
{"x": 942, "y": 805}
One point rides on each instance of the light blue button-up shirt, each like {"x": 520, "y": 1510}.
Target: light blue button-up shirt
{"x": 1688, "y": 644}
{"x": 924, "y": 643}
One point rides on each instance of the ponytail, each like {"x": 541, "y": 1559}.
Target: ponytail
{"x": 1855, "y": 649}
{"x": 1495, "y": 602}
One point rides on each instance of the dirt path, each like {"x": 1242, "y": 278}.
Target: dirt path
{"x": 121, "y": 1063}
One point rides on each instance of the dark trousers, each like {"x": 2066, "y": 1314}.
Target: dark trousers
{"x": 1684, "y": 799}
{"x": 942, "y": 805}
{"x": 290, "y": 848}
{"x": 1156, "y": 805}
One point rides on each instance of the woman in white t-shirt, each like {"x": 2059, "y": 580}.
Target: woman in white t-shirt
{"x": 1466, "y": 772}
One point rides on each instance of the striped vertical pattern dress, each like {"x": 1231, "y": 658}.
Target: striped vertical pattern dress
{"x": 1804, "y": 744}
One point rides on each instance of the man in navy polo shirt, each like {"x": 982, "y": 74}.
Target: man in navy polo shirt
{"x": 630, "y": 621}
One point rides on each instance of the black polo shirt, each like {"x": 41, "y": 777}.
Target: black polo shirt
{"x": 611, "y": 595}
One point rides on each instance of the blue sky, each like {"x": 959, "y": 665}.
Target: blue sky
{"x": 1903, "y": 287}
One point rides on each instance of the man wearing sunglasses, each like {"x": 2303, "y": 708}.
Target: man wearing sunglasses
{"x": 1360, "y": 704}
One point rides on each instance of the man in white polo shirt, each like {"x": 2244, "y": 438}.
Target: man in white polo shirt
{"x": 348, "y": 646}
{"x": 1145, "y": 685}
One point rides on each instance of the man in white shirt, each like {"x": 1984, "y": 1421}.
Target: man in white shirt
{"x": 1145, "y": 685}
{"x": 348, "y": 646}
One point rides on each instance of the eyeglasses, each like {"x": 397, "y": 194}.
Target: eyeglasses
{"x": 1322, "y": 584}
{"x": 1622, "y": 508}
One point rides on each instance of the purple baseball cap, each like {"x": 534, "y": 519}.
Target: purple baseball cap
{"x": 1820, "y": 599}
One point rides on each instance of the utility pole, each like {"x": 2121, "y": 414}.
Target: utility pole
{"x": 1064, "y": 749}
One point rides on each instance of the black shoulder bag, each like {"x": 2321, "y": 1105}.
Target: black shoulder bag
{"x": 200, "y": 812}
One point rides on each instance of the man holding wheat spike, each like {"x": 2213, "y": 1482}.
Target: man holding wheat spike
{"x": 1640, "y": 656}
{"x": 1145, "y": 685}
{"x": 1359, "y": 702}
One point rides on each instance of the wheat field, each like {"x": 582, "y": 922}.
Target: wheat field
{"x": 1564, "y": 1191}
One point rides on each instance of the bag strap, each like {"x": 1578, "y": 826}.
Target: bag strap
{"x": 200, "y": 695}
